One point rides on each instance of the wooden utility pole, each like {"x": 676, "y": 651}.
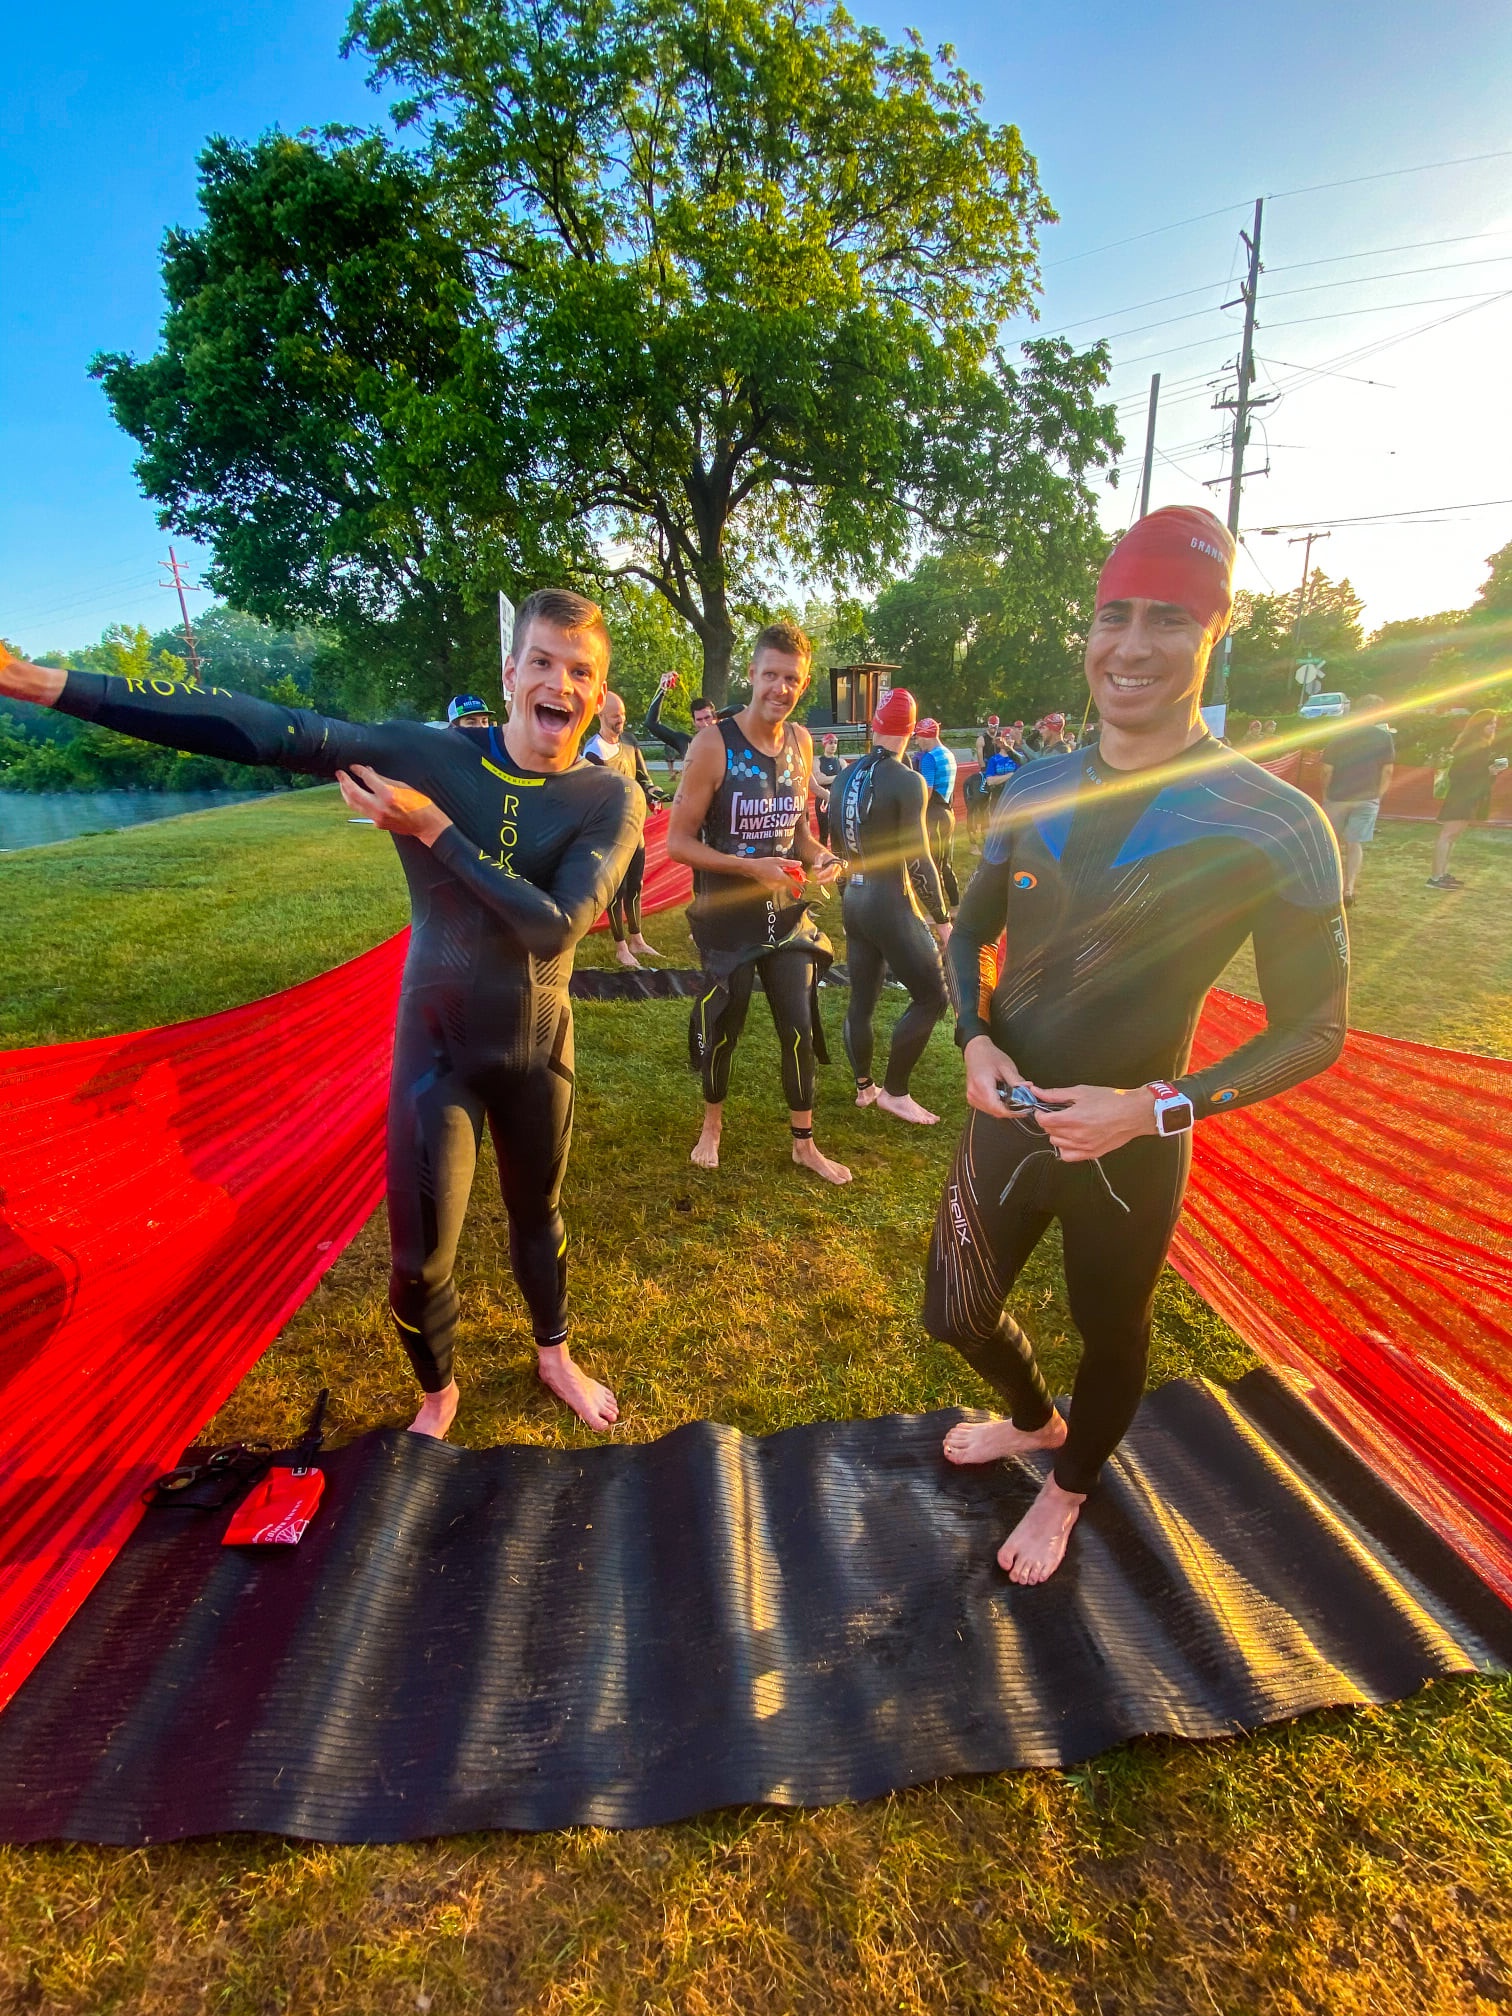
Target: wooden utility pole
{"x": 1149, "y": 459}
{"x": 1242, "y": 405}
{"x": 181, "y": 584}
{"x": 1311, "y": 540}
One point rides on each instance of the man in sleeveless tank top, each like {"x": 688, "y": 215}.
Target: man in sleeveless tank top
{"x": 740, "y": 822}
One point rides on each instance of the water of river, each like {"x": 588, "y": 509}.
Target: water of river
{"x": 36, "y": 818}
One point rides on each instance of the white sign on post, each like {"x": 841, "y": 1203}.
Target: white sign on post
{"x": 506, "y": 627}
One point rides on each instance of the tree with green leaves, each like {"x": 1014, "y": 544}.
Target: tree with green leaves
{"x": 326, "y": 411}
{"x": 702, "y": 296}
{"x": 748, "y": 264}
{"x": 1269, "y": 641}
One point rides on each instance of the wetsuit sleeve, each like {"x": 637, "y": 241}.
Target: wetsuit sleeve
{"x": 672, "y": 738}
{"x": 913, "y": 836}
{"x": 971, "y": 955}
{"x": 643, "y": 777}
{"x": 209, "y": 721}
{"x": 549, "y": 921}
{"x": 1302, "y": 963}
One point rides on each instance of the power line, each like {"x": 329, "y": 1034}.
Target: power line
{"x": 1278, "y": 195}
{"x": 1385, "y": 517}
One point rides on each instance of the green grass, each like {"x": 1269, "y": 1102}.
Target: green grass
{"x": 1349, "y": 1862}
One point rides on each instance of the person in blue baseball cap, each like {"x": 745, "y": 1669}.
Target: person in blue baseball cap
{"x": 466, "y": 707}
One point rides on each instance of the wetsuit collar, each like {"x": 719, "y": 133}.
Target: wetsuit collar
{"x": 1155, "y": 775}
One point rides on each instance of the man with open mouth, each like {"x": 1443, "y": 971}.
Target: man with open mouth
{"x": 511, "y": 846}
{"x": 1125, "y": 879}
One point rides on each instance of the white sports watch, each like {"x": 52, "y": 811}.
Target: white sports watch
{"x": 1173, "y": 1109}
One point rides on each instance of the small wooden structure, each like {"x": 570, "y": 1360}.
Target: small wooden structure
{"x": 855, "y": 690}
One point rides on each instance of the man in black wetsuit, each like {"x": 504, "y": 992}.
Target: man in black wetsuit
{"x": 616, "y": 750}
{"x": 510, "y": 847}
{"x": 879, "y": 829}
{"x": 826, "y": 770}
{"x": 678, "y": 741}
{"x": 1126, "y": 878}
{"x": 738, "y": 821}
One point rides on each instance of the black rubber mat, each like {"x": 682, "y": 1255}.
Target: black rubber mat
{"x": 528, "y": 1637}
{"x": 621, "y": 983}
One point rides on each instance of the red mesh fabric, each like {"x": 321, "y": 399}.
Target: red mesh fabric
{"x": 167, "y": 1201}
{"x": 1357, "y": 1232}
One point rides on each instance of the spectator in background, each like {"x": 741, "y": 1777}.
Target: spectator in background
{"x": 1053, "y": 739}
{"x": 1468, "y": 794}
{"x": 1255, "y": 732}
{"x": 1357, "y": 766}
{"x": 826, "y": 770}
{"x": 1270, "y": 729}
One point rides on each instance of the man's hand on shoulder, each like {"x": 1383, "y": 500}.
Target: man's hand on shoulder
{"x": 396, "y": 807}
{"x": 21, "y": 680}
{"x": 1093, "y": 1120}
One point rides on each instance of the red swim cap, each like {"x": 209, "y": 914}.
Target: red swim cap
{"x": 1178, "y": 555}
{"x": 896, "y": 715}
{"x": 928, "y": 726}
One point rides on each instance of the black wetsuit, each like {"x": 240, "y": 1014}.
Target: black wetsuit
{"x": 741, "y": 929}
{"x": 879, "y": 828}
{"x": 484, "y": 1027}
{"x": 625, "y": 903}
{"x": 678, "y": 740}
{"x": 1124, "y": 896}
{"x": 827, "y": 769}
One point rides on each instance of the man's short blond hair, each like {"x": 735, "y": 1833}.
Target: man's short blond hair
{"x": 786, "y": 638}
{"x": 563, "y": 610}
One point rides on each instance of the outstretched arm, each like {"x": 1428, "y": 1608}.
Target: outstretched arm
{"x": 204, "y": 721}
{"x": 672, "y": 738}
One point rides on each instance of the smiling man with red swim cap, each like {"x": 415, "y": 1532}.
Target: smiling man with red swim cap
{"x": 1125, "y": 878}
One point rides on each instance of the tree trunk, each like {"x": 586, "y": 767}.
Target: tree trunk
{"x": 718, "y": 650}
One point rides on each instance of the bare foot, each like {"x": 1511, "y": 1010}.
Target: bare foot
{"x": 591, "y": 1402}
{"x": 866, "y": 1095}
{"x": 907, "y": 1108}
{"x": 807, "y": 1156}
{"x": 437, "y": 1412}
{"x": 644, "y": 951}
{"x": 626, "y": 957}
{"x": 1037, "y": 1545}
{"x": 706, "y": 1148}
{"x": 990, "y": 1441}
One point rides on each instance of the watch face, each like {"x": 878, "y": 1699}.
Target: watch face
{"x": 1176, "y": 1118}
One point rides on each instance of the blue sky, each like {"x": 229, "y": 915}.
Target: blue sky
{"x": 1141, "y": 118}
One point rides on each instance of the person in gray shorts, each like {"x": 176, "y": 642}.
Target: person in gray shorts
{"x": 1357, "y": 767}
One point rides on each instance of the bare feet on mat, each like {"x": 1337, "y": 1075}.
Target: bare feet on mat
{"x": 866, "y": 1095}
{"x": 627, "y": 958}
{"x": 437, "y": 1412}
{"x": 1037, "y": 1545}
{"x": 807, "y": 1156}
{"x": 906, "y": 1107}
{"x": 590, "y": 1401}
{"x": 642, "y": 950}
{"x": 706, "y": 1148}
{"x": 990, "y": 1441}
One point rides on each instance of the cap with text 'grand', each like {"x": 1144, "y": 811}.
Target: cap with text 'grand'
{"x": 1179, "y": 554}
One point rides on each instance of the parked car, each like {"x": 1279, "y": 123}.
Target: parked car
{"x": 1323, "y": 707}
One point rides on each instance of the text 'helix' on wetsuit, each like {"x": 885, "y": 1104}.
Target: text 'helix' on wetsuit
{"x": 1124, "y": 895}
{"x": 484, "y": 1028}
{"x": 739, "y": 926}
{"x": 879, "y": 827}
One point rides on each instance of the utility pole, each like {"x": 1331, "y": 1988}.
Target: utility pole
{"x": 1242, "y": 405}
{"x": 1149, "y": 459}
{"x": 1311, "y": 539}
{"x": 181, "y": 584}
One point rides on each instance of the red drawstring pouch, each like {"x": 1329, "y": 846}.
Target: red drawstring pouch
{"x": 276, "y": 1511}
